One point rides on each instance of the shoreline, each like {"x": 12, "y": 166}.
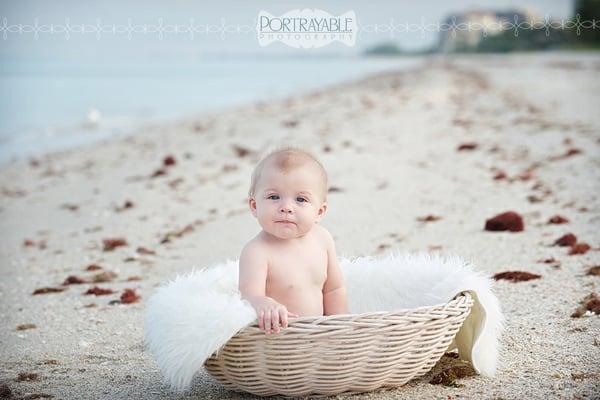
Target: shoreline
{"x": 99, "y": 121}
{"x": 391, "y": 145}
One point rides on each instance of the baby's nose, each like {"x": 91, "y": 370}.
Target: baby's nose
{"x": 286, "y": 209}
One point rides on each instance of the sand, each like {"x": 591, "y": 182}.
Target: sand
{"x": 390, "y": 145}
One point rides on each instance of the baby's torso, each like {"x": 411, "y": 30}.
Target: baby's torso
{"x": 296, "y": 275}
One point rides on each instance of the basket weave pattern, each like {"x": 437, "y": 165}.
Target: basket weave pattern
{"x": 340, "y": 353}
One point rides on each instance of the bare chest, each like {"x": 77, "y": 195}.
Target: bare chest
{"x": 290, "y": 270}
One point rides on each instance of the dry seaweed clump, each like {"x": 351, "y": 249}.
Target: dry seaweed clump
{"x": 589, "y": 305}
{"x": 516, "y": 276}
{"x": 507, "y": 221}
{"x": 449, "y": 375}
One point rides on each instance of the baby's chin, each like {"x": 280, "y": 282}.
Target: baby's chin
{"x": 285, "y": 232}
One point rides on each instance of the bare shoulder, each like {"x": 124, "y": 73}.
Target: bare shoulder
{"x": 324, "y": 235}
{"x": 254, "y": 251}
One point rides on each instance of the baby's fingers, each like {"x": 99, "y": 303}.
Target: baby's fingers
{"x": 276, "y": 321}
{"x": 261, "y": 320}
{"x": 268, "y": 322}
{"x": 283, "y": 316}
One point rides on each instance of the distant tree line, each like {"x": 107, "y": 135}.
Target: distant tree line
{"x": 587, "y": 37}
{"x": 586, "y": 14}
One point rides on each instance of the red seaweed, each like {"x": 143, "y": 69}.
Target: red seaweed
{"x": 507, "y": 221}
{"x": 516, "y": 276}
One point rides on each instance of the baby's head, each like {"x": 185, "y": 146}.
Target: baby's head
{"x": 288, "y": 193}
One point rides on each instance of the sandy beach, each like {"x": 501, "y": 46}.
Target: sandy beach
{"x": 418, "y": 161}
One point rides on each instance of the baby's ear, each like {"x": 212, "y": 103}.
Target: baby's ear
{"x": 322, "y": 211}
{"x": 252, "y": 205}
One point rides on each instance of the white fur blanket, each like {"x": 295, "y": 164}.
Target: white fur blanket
{"x": 194, "y": 315}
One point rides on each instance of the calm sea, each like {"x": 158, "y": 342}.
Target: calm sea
{"x": 52, "y": 106}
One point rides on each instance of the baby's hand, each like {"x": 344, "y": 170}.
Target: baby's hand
{"x": 272, "y": 315}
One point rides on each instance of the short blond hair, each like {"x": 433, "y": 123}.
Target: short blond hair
{"x": 286, "y": 159}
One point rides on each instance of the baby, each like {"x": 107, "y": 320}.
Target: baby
{"x": 290, "y": 268}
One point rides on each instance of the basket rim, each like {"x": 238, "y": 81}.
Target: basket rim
{"x": 461, "y": 297}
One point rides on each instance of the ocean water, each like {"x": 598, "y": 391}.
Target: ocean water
{"x": 52, "y": 106}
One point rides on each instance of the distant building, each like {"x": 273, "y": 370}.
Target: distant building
{"x": 473, "y": 26}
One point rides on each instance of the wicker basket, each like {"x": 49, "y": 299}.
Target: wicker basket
{"x": 340, "y": 353}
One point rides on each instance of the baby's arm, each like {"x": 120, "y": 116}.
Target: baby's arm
{"x": 252, "y": 285}
{"x": 334, "y": 291}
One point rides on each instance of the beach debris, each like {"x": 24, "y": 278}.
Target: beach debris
{"x": 104, "y": 276}
{"x": 112, "y": 243}
{"x": 579, "y": 248}
{"x": 169, "y": 161}
{"x": 129, "y": 296}
{"x": 200, "y": 127}
{"x": 5, "y": 392}
{"x": 327, "y": 149}
{"x": 27, "y": 377}
{"x": 69, "y": 206}
{"x": 569, "y": 153}
{"x": 36, "y": 396}
{"x": 49, "y": 361}
{"x": 593, "y": 271}
{"x": 367, "y": 102}
{"x": 589, "y": 305}
{"x": 525, "y": 175}
{"x": 41, "y": 244}
{"x": 74, "y": 280}
{"x": 467, "y": 146}
{"x": 291, "y": 123}
{"x": 229, "y": 168}
{"x": 126, "y": 205}
{"x": 382, "y": 185}
{"x": 584, "y": 375}
{"x": 449, "y": 375}
{"x": 174, "y": 184}
{"x": 145, "y": 251}
{"x": 134, "y": 278}
{"x": 46, "y": 290}
{"x": 158, "y": 172}
{"x": 555, "y": 263}
{"x": 383, "y": 246}
{"x": 189, "y": 228}
{"x": 534, "y": 199}
{"x": 507, "y": 221}
{"x": 241, "y": 151}
{"x": 516, "y": 276}
{"x": 462, "y": 122}
{"x": 93, "y": 229}
{"x": 13, "y": 193}
{"x": 500, "y": 174}
{"x": 93, "y": 267}
{"x": 98, "y": 291}
{"x": 567, "y": 239}
{"x": 451, "y": 354}
{"x": 334, "y": 189}
{"x": 25, "y": 327}
{"x": 429, "y": 218}
{"x": 558, "y": 219}
{"x": 93, "y": 116}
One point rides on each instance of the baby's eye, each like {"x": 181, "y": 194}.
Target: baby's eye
{"x": 273, "y": 197}
{"x": 301, "y": 199}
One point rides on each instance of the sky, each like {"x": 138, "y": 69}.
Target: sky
{"x": 149, "y": 47}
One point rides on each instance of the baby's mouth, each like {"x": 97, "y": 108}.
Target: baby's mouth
{"x": 285, "y": 222}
